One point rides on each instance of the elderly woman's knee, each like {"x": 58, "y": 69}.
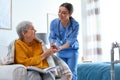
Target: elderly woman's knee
{"x": 33, "y": 75}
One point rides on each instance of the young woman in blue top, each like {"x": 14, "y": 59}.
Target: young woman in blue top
{"x": 63, "y": 36}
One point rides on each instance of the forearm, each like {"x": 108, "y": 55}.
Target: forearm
{"x": 28, "y": 61}
{"x": 45, "y": 55}
{"x": 58, "y": 48}
{"x": 64, "y": 46}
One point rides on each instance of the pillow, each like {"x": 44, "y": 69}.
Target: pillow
{"x": 9, "y": 59}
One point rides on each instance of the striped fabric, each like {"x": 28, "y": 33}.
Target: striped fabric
{"x": 92, "y": 43}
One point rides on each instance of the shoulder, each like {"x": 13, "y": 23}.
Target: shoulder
{"x": 18, "y": 41}
{"x": 55, "y": 21}
{"x": 74, "y": 22}
{"x": 38, "y": 40}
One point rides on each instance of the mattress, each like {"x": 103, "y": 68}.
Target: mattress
{"x": 97, "y": 71}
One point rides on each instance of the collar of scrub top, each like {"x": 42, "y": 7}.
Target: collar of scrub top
{"x": 60, "y": 36}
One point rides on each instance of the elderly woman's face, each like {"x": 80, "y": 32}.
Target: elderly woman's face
{"x": 30, "y": 34}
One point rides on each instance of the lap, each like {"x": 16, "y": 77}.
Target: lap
{"x": 33, "y": 75}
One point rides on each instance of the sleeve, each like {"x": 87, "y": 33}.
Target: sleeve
{"x": 52, "y": 35}
{"x": 22, "y": 58}
{"x": 74, "y": 33}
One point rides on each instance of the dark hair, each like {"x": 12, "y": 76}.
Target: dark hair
{"x": 68, "y": 6}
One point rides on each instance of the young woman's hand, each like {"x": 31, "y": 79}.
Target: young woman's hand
{"x": 53, "y": 46}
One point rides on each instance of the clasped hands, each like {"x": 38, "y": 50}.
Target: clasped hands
{"x": 52, "y": 50}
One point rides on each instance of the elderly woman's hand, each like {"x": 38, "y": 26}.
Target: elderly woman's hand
{"x": 53, "y": 50}
{"x": 49, "y": 52}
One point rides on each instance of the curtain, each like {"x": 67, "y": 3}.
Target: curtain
{"x": 92, "y": 38}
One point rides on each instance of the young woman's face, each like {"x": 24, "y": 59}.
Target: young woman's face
{"x": 63, "y": 14}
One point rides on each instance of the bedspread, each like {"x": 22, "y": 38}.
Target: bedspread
{"x": 97, "y": 71}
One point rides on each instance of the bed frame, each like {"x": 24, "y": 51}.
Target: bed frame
{"x": 114, "y": 45}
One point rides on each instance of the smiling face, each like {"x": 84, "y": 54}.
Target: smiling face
{"x": 63, "y": 14}
{"x": 29, "y": 36}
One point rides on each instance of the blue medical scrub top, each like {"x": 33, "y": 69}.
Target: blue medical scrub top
{"x": 60, "y": 35}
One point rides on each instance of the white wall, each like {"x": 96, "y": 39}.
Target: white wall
{"x": 110, "y": 15}
{"x": 35, "y": 11}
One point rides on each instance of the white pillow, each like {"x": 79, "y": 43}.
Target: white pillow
{"x": 9, "y": 58}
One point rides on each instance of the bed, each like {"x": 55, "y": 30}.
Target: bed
{"x": 97, "y": 71}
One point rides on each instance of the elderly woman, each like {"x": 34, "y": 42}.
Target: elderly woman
{"x": 29, "y": 50}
